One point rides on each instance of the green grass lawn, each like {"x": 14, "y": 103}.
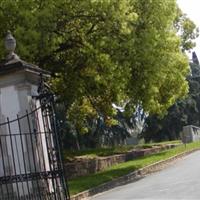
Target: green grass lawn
{"x": 83, "y": 183}
{"x": 70, "y": 155}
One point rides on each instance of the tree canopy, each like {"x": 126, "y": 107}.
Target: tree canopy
{"x": 183, "y": 112}
{"x": 102, "y": 52}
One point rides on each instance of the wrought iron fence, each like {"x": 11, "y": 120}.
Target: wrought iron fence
{"x": 30, "y": 155}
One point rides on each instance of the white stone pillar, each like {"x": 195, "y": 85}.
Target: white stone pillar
{"x": 20, "y": 150}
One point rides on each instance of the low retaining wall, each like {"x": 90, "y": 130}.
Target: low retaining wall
{"x": 133, "y": 176}
{"x": 82, "y": 167}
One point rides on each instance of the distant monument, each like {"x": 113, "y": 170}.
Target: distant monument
{"x": 195, "y": 58}
{"x": 190, "y": 134}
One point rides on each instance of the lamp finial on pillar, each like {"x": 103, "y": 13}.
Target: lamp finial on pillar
{"x": 10, "y": 45}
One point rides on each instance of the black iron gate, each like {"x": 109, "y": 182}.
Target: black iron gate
{"x": 30, "y": 155}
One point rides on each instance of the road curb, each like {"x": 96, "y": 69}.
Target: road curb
{"x": 131, "y": 177}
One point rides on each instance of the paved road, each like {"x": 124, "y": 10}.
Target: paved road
{"x": 179, "y": 181}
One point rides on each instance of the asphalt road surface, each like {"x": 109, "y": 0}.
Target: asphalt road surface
{"x": 178, "y": 181}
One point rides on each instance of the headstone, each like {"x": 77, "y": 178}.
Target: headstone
{"x": 190, "y": 134}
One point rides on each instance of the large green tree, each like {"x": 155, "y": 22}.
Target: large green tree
{"x": 102, "y": 52}
{"x": 183, "y": 112}
{"x": 158, "y": 68}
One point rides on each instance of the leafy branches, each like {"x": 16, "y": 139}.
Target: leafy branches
{"x": 104, "y": 52}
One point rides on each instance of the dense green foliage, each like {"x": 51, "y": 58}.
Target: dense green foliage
{"x": 103, "y": 52}
{"x": 186, "y": 29}
{"x": 183, "y": 112}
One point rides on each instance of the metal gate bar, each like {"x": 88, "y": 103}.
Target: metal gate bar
{"x": 30, "y": 155}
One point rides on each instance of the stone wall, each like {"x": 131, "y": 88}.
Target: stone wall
{"x": 131, "y": 177}
{"x": 85, "y": 166}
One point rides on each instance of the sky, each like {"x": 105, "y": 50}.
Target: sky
{"x": 192, "y": 9}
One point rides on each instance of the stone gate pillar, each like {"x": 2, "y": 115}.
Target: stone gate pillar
{"x": 20, "y": 151}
